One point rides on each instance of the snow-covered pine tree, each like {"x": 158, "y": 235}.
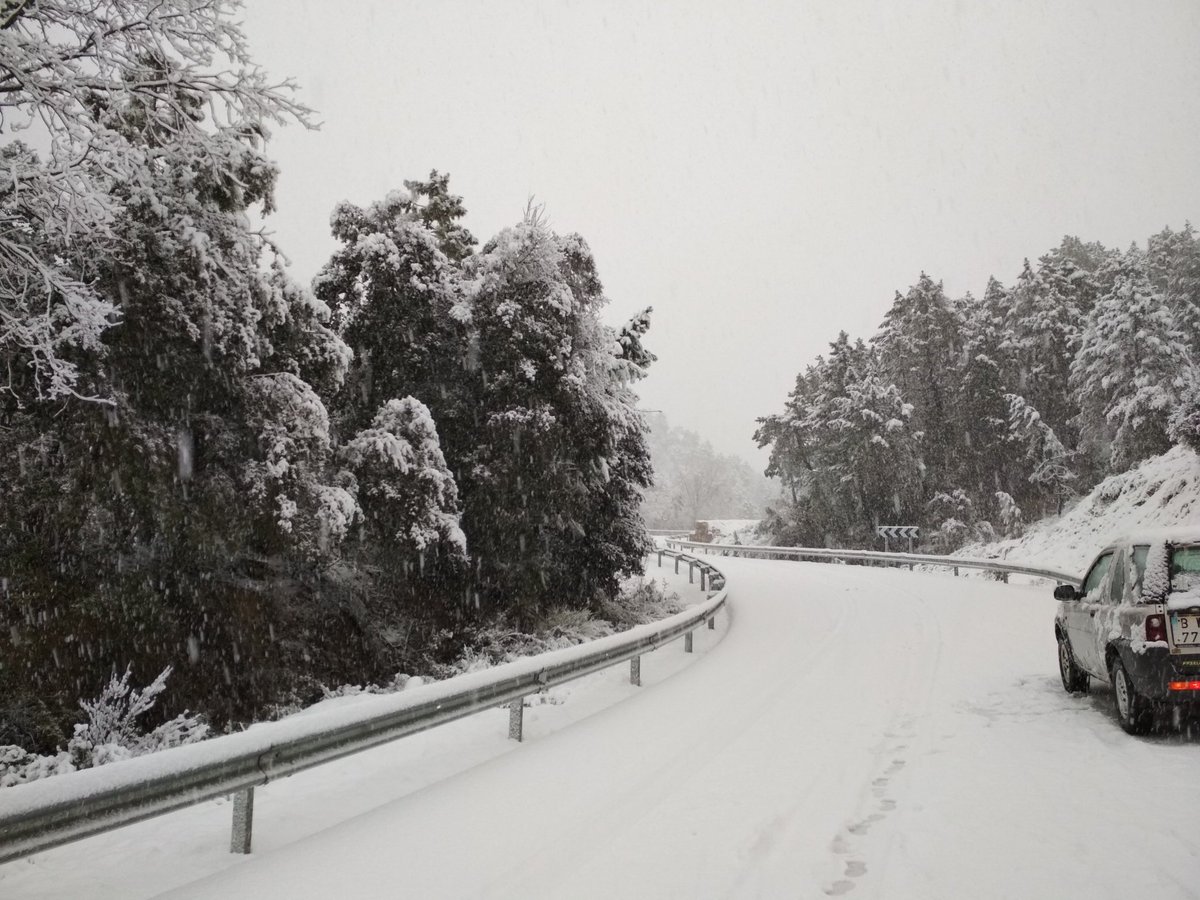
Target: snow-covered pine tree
{"x": 1049, "y": 463}
{"x": 441, "y": 212}
{"x": 398, "y": 302}
{"x": 791, "y": 443}
{"x": 1131, "y": 370}
{"x": 1173, "y": 266}
{"x": 550, "y": 507}
{"x": 1042, "y": 332}
{"x": 876, "y": 451}
{"x": 846, "y": 450}
{"x": 1184, "y": 424}
{"x": 984, "y": 459}
{"x": 920, "y": 338}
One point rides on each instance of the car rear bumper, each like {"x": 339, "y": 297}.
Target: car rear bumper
{"x": 1153, "y": 671}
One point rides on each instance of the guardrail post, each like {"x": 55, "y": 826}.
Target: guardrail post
{"x": 1004, "y": 577}
{"x": 635, "y": 671}
{"x": 243, "y": 821}
{"x": 712, "y": 623}
{"x": 687, "y": 642}
{"x": 956, "y": 571}
{"x": 516, "y": 719}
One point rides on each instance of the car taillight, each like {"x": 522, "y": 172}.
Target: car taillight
{"x": 1184, "y": 685}
{"x": 1156, "y": 629}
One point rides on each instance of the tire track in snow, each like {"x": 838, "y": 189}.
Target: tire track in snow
{"x": 731, "y": 713}
{"x": 871, "y": 713}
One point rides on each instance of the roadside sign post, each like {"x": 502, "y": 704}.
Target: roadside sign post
{"x": 898, "y": 531}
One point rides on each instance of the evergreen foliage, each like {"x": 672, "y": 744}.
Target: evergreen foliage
{"x": 209, "y": 468}
{"x": 1131, "y": 368}
{"x": 531, "y": 393}
{"x": 967, "y": 417}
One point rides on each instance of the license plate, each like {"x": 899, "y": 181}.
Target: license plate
{"x": 1185, "y": 629}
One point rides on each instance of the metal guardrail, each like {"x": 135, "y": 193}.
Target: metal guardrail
{"x": 64, "y": 808}
{"x": 910, "y": 559}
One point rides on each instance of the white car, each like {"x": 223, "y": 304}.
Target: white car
{"x": 1135, "y": 624}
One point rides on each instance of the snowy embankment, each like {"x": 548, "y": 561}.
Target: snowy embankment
{"x": 736, "y": 531}
{"x": 144, "y": 859}
{"x": 1162, "y": 492}
{"x": 850, "y": 731}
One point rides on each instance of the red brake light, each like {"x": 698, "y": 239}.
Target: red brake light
{"x": 1184, "y": 685}
{"x": 1156, "y": 629}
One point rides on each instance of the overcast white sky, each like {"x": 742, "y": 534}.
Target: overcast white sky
{"x": 763, "y": 174}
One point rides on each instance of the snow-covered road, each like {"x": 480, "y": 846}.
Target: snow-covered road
{"x": 849, "y": 731}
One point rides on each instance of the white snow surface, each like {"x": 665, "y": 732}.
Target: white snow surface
{"x": 745, "y": 530}
{"x": 1159, "y": 498}
{"x": 846, "y": 730}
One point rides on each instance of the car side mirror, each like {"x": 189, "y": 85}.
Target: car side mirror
{"x": 1066, "y": 592}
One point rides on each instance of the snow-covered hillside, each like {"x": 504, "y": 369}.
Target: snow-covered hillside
{"x": 1163, "y": 491}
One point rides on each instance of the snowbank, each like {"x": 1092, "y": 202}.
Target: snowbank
{"x": 724, "y": 531}
{"x": 1162, "y": 492}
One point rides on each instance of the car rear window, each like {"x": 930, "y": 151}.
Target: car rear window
{"x": 1185, "y": 560}
{"x": 1185, "y": 570}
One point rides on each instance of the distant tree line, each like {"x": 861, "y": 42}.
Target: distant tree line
{"x": 970, "y": 416}
{"x": 692, "y": 481}
{"x": 207, "y": 465}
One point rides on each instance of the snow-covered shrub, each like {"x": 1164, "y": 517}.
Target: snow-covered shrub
{"x": 640, "y": 600}
{"x": 111, "y": 733}
{"x": 18, "y": 766}
{"x": 952, "y": 534}
{"x": 1010, "y": 513}
{"x": 983, "y": 531}
{"x": 955, "y": 514}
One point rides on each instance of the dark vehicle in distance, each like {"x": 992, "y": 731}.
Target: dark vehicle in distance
{"x": 1135, "y": 624}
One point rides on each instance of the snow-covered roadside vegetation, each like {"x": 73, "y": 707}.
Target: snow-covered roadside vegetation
{"x": 973, "y": 417}
{"x": 266, "y": 486}
{"x": 1162, "y": 492}
{"x": 114, "y": 729}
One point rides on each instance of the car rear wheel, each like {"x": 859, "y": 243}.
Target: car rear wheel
{"x": 1133, "y": 710}
{"x": 1074, "y": 679}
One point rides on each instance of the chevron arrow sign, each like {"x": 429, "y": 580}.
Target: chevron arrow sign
{"x": 898, "y": 531}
